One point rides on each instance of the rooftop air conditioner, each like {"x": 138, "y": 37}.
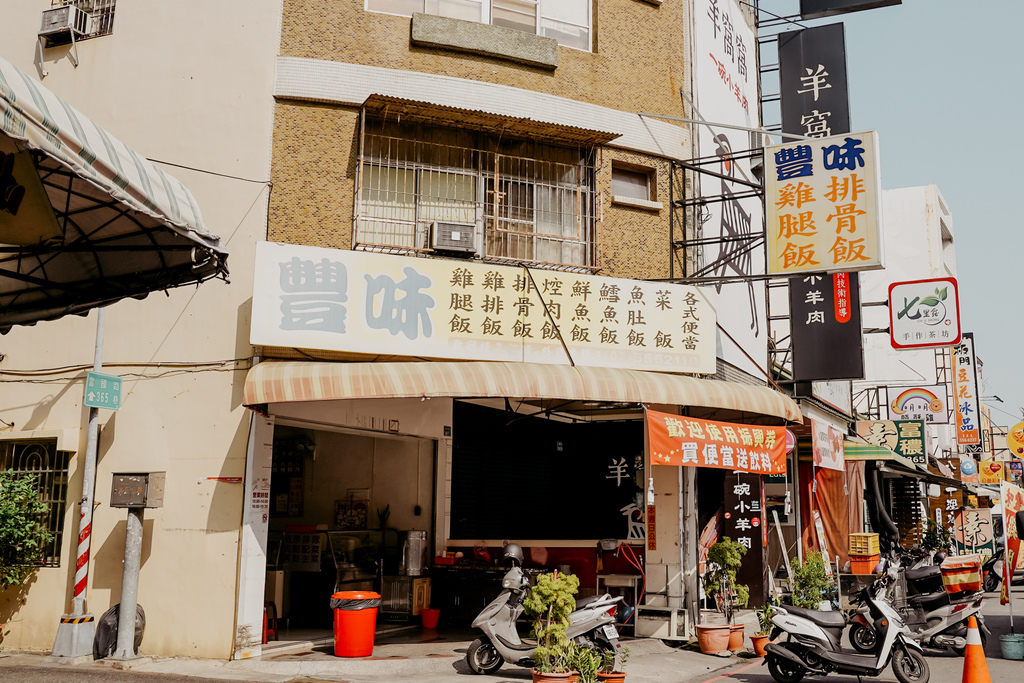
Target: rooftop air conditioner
{"x": 457, "y": 237}
{"x": 61, "y": 21}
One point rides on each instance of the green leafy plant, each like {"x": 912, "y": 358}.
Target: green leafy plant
{"x": 937, "y": 537}
{"x": 23, "y": 538}
{"x": 811, "y": 585}
{"x": 584, "y": 661}
{"x": 764, "y": 618}
{"x": 719, "y": 579}
{"x": 549, "y": 604}
{"x": 608, "y": 660}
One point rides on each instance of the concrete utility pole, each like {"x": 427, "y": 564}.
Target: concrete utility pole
{"x": 77, "y": 630}
{"x": 129, "y": 586}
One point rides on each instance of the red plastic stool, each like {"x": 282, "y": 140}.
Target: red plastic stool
{"x": 269, "y": 621}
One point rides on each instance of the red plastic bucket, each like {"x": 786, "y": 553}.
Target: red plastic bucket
{"x": 430, "y": 617}
{"x": 355, "y": 618}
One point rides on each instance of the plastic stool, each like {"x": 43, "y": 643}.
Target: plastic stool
{"x": 269, "y": 620}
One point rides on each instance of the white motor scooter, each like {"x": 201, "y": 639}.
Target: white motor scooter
{"x": 591, "y": 625}
{"x": 813, "y": 648}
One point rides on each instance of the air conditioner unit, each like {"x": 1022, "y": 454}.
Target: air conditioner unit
{"x": 64, "y": 21}
{"x": 458, "y": 237}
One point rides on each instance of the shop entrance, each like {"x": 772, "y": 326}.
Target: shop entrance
{"x": 342, "y": 505}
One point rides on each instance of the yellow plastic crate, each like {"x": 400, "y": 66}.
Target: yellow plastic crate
{"x": 863, "y": 544}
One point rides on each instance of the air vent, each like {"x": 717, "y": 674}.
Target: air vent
{"x": 458, "y": 237}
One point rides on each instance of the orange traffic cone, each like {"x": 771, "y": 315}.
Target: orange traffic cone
{"x": 975, "y": 668}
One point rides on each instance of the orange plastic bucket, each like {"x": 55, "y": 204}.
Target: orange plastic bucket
{"x": 355, "y": 619}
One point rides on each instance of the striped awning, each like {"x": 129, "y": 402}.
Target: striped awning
{"x": 84, "y": 219}
{"x": 287, "y": 381}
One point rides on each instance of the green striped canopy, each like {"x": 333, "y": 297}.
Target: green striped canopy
{"x": 84, "y": 220}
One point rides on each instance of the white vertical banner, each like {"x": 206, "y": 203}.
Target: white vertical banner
{"x": 725, "y": 91}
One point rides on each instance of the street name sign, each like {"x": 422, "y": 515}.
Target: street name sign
{"x": 102, "y": 391}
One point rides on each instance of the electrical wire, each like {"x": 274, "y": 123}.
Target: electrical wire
{"x": 630, "y": 555}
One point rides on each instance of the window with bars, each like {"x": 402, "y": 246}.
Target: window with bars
{"x": 567, "y": 21}
{"x": 529, "y": 201}
{"x": 41, "y": 458}
{"x": 101, "y": 15}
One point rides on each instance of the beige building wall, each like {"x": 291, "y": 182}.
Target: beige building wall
{"x": 637, "y": 65}
{"x": 187, "y": 84}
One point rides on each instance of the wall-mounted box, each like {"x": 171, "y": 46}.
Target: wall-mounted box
{"x": 137, "y": 490}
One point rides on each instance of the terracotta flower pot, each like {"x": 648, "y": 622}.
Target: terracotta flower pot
{"x": 556, "y": 677}
{"x": 736, "y": 637}
{"x": 713, "y": 638}
{"x": 759, "y": 641}
{"x": 611, "y": 676}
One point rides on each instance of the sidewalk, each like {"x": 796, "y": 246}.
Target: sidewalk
{"x": 433, "y": 659}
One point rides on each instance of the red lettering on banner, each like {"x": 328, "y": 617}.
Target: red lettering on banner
{"x": 841, "y": 287}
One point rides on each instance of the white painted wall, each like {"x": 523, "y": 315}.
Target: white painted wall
{"x": 188, "y": 83}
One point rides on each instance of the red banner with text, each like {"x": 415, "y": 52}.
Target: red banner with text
{"x": 691, "y": 442}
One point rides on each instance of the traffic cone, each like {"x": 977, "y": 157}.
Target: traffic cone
{"x": 975, "y": 667}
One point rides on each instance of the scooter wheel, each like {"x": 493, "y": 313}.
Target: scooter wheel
{"x": 784, "y": 671}
{"x": 482, "y": 657}
{"x": 910, "y": 666}
{"x": 991, "y": 582}
{"x": 863, "y": 639}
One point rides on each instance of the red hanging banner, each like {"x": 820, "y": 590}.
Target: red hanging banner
{"x": 691, "y": 442}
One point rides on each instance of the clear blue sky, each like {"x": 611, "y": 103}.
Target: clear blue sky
{"x": 941, "y": 81}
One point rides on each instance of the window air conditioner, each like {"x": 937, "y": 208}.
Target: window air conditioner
{"x": 460, "y": 237}
{"x": 64, "y": 20}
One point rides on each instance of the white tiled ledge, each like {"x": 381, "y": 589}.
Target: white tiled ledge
{"x": 638, "y": 203}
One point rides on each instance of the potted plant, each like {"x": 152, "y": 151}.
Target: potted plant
{"x": 549, "y": 604}
{"x": 719, "y": 582}
{"x": 764, "y": 624}
{"x": 812, "y": 587}
{"x": 584, "y": 663}
{"x": 608, "y": 672}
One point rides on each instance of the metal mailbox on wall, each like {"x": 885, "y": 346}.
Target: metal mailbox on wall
{"x": 137, "y": 490}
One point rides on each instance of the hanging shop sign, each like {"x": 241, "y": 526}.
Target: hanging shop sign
{"x": 990, "y": 472}
{"x": 974, "y": 531}
{"x": 924, "y": 313}
{"x": 822, "y": 205}
{"x": 816, "y": 9}
{"x": 968, "y": 470}
{"x": 726, "y": 88}
{"x": 691, "y": 442}
{"x": 360, "y": 302}
{"x": 812, "y": 81}
{"x": 965, "y": 392}
{"x": 839, "y": 395}
{"x": 926, "y": 403}
{"x": 1015, "y": 439}
{"x": 1012, "y": 498}
{"x": 1015, "y": 472}
{"x": 905, "y": 438}
{"x": 744, "y": 521}
{"x": 827, "y": 444}
{"x": 826, "y": 327}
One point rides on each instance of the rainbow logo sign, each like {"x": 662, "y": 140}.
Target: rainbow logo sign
{"x": 919, "y": 403}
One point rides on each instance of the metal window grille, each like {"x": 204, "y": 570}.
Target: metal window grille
{"x": 529, "y": 201}
{"x": 41, "y": 458}
{"x": 101, "y": 14}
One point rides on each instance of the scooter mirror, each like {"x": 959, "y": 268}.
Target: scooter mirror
{"x": 1020, "y": 522}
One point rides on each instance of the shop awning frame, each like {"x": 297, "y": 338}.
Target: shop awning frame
{"x": 121, "y": 226}
{"x": 277, "y": 381}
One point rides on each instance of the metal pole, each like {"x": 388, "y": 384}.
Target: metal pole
{"x": 129, "y": 586}
{"x": 88, "y": 483}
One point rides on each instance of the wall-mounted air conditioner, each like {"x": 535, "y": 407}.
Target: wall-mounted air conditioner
{"x": 456, "y": 237}
{"x": 61, "y": 21}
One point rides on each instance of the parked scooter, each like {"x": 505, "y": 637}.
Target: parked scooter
{"x": 591, "y": 625}
{"x": 812, "y": 646}
{"x": 992, "y": 571}
{"x": 935, "y": 618}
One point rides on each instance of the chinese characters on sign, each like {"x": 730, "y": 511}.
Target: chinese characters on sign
{"x": 359, "y": 302}
{"x": 918, "y": 403}
{"x": 744, "y": 522}
{"x": 974, "y": 531}
{"x": 822, "y": 205}
{"x": 965, "y": 392}
{"x": 812, "y": 81}
{"x": 905, "y": 438}
{"x": 825, "y": 325}
{"x": 924, "y": 313}
{"x": 827, "y": 445}
{"x": 102, "y": 391}
{"x": 690, "y": 442}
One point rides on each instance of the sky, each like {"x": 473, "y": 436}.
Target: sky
{"x": 941, "y": 82}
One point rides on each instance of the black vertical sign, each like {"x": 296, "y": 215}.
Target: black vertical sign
{"x": 825, "y": 327}
{"x": 744, "y": 523}
{"x": 824, "y": 310}
{"x": 815, "y": 9}
{"x": 812, "y": 82}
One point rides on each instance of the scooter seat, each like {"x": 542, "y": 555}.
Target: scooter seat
{"x": 824, "y": 619}
{"x": 922, "y": 573}
{"x": 930, "y": 602}
{"x": 583, "y": 602}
